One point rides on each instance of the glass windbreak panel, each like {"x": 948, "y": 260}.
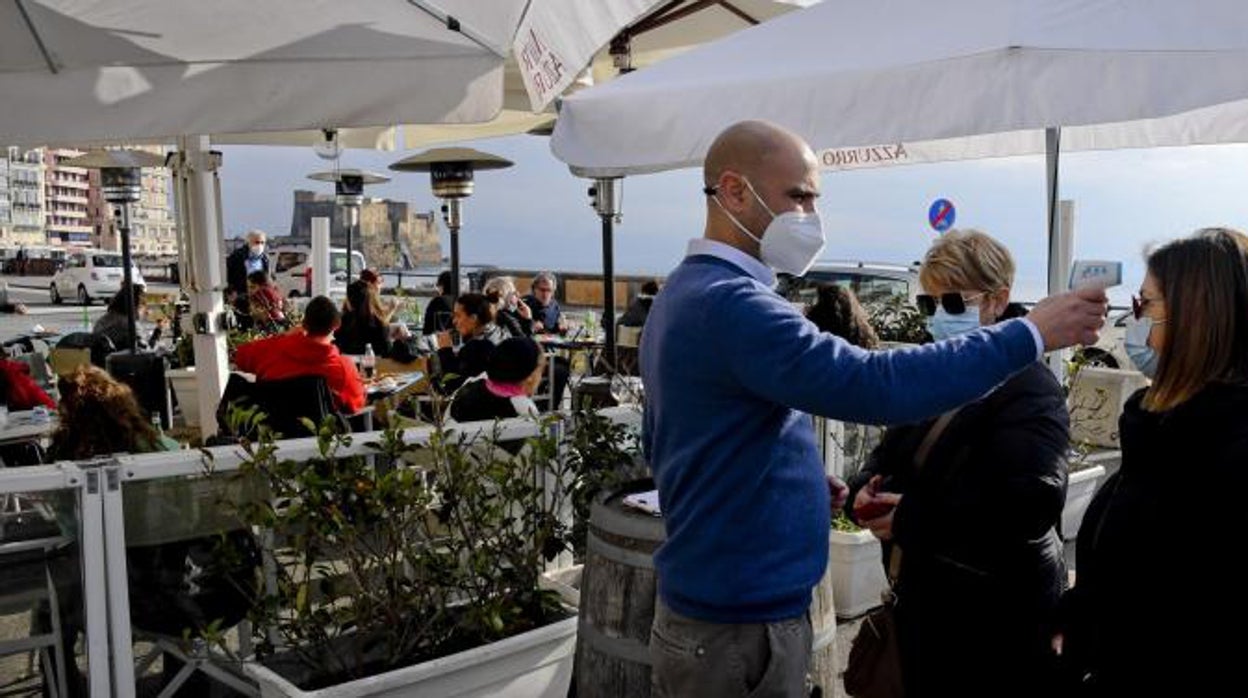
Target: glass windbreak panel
{"x": 39, "y": 561}
{"x": 106, "y": 260}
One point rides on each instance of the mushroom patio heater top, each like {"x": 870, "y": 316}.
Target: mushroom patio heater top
{"x": 349, "y": 194}
{"x": 450, "y": 172}
{"x": 121, "y": 184}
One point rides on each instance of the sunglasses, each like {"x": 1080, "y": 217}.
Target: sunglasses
{"x": 953, "y": 303}
{"x": 1139, "y": 303}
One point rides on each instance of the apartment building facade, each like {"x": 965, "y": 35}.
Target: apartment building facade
{"x": 21, "y": 197}
{"x": 67, "y": 196}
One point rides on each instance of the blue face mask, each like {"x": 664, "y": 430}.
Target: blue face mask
{"x": 943, "y": 325}
{"x": 1136, "y": 343}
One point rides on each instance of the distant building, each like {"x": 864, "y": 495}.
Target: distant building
{"x": 21, "y": 198}
{"x": 391, "y": 234}
{"x": 66, "y": 193}
{"x": 153, "y": 230}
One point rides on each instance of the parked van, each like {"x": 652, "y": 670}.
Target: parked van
{"x": 293, "y": 275}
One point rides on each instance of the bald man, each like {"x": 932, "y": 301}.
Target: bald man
{"x": 732, "y": 371}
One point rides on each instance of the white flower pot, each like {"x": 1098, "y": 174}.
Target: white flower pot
{"x": 1080, "y": 488}
{"x": 536, "y": 664}
{"x": 182, "y": 380}
{"x": 857, "y": 569}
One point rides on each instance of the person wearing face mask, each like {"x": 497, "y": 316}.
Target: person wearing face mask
{"x": 512, "y": 315}
{"x": 732, "y": 372}
{"x": 243, "y": 262}
{"x": 1184, "y": 465}
{"x": 978, "y": 519}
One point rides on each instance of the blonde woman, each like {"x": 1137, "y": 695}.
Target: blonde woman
{"x": 510, "y": 313}
{"x": 982, "y": 568}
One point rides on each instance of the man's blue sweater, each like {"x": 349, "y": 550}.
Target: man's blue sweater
{"x": 730, "y": 368}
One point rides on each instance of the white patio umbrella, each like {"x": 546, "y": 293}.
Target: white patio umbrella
{"x": 865, "y": 73}
{"x": 138, "y": 69}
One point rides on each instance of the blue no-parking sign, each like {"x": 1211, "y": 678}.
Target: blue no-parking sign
{"x": 941, "y": 215}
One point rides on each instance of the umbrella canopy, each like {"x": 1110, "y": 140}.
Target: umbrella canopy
{"x": 141, "y": 69}
{"x": 670, "y": 29}
{"x": 860, "y": 72}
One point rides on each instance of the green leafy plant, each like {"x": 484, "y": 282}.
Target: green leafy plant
{"x": 405, "y": 554}
{"x": 896, "y": 319}
{"x": 841, "y": 522}
{"x": 601, "y": 455}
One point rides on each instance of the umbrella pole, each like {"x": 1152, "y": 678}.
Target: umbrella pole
{"x": 1052, "y": 155}
{"x": 1057, "y": 260}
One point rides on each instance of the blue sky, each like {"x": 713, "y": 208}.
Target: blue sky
{"x": 537, "y": 215}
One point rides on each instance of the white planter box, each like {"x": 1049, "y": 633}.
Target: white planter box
{"x": 536, "y": 664}
{"x": 1079, "y": 491}
{"x": 182, "y": 380}
{"x": 1096, "y": 399}
{"x": 857, "y": 570}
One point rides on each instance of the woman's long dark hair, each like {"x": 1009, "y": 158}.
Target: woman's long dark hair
{"x": 363, "y": 311}
{"x": 837, "y": 311}
{"x": 1204, "y": 284}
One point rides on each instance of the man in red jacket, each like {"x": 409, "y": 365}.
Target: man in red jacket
{"x": 307, "y": 351}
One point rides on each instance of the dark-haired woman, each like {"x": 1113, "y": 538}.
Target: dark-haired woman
{"x": 1169, "y": 524}
{"x": 473, "y": 318}
{"x": 837, "y": 311}
{"x": 362, "y": 326}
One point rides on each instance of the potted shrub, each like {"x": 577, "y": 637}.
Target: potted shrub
{"x": 412, "y": 571}
{"x": 856, "y": 565}
{"x": 897, "y": 322}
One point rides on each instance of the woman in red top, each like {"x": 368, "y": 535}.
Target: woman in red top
{"x": 20, "y": 391}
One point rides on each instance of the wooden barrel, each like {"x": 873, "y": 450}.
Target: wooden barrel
{"x": 617, "y": 597}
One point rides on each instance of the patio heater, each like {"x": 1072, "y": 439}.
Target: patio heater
{"x": 450, "y": 173}
{"x": 607, "y": 195}
{"x": 121, "y": 184}
{"x": 349, "y": 195}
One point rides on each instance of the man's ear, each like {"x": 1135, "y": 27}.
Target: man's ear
{"x": 732, "y": 192}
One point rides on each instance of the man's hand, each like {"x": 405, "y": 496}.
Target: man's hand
{"x": 525, "y": 311}
{"x": 1067, "y": 319}
{"x": 839, "y": 491}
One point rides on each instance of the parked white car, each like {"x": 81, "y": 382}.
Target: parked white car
{"x": 289, "y": 266}
{"x": 89, "y": 275}
{"x": 870, "y": 282}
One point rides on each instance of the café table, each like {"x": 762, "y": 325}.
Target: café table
{"x": 24, "y": 426}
